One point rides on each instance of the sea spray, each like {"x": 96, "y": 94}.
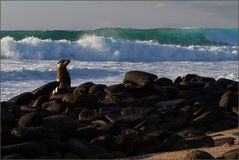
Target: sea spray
{"x": 99, "y": 48}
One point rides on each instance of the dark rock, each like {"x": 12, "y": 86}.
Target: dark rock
{"x": 189, "y": 77}
{"x": 206, "y": 79}
{"x": 13, "y": 156}
{"x": 46, "y": 89}
{"x": 54, "y": 106}
{"x": 197, "y": 154}
{"x": 115, "y": 88}
{"x": 88, "y": 115}
{"x": 69, "y": 155}
{"x": 135, "y": 110}
{"x": 194, "y": 142}
{"x": 5, "y": 130}
{"x": 233, "y": 86}
{"x": 173, "y": 102}
{"x": 222, "y": 141}
{"x": 30, "y": 119}
{"x": 188, "y": 132}
{"x": 22, "y": 99}
{"x": 105, "y": 141}
{"x": 57, "y": 96}
{"x": 164, "y": 82}
{"x": 31, "y": 133}
{"x": 79, "y": 148}
{"x": 222, "y": 125}
{"x": 54, "y": 144}
{"x": 10, "y": 107}
{"x": 39, "y": 101}
{"x": 87, "y": 132}
{"x": 83, "y": 89}
{"x": 139, "y": 77}
{"x": 96, "y": 88}
{"x": 28, "y": 149}
{"x": 209, "y": 118}
{"x": 7, "y": 118}
{"x": 177, "y": 80}
{"x": 154, "y": 142}
{"x": 130, "y": 119}
{"x": 90, "y": 101}
{"x": 67, "y": 124}
{"x": 224, "y": 82}
{"x": 229, "y": 100}
{"x": 109, "y": 110}
{"x": 191, "y": 85}
{"x": 213, "y": 89}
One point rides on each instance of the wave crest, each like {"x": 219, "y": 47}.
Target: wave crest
{"x": 98, "y": 48}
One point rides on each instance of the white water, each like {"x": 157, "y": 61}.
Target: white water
{"x": 19, "y": 76}
{"x": 95, "y": 48}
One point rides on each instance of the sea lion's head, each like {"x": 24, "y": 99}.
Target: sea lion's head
{"x": 63, "y": 63}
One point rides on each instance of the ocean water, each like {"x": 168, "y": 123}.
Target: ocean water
{"x": 28, "y": 58}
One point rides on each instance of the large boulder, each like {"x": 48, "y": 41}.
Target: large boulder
{"x": 46, "y": 89}
{"x": 139, "y": 78}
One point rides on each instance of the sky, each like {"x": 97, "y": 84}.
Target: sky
{"x": 77, "y": 15}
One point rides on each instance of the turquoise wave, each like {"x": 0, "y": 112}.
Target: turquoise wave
{"x": 180, "y": 36}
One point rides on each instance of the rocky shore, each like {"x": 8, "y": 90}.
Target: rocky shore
{"x": 142, "y": 114}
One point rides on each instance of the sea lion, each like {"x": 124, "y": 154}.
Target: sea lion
{"x": 62, "y": 76}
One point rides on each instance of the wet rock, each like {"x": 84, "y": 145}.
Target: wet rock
{"x": 173, "y": 102}
{"x": 80, "y": 149}
{"x": 140, "y": 78}
{"x": 224, "y": 82}
{"x": 191, "y": 85}
{"x": 109, "y": 110}
{"x": 22, "y": 99}
{"x": 54, "y": 106}
{"x": 209, "y": 117}
{"x": 7, "y": 118}
{"x": 90, "y": 101}
{"x": 177, "y": 80}
{"x": 88, "y": 115}
{"x": 5, "y": 130}
{"x": 13, "y": 156}
{"x": 27, "y": 149}
{"x": 10, "y": 107}
{"x": 54, "y": 144}
{"x": 96, "y": 88}
{"x": 194, "y": 142}
{"x": 189, "y": 77}
{"x": 222, "y": 141}
{"x": 39, "y": 101}
{"x": 222, "y": 125}
{"x": 87, "y": 132}
{"x": 57, "y": 96}
{"x": 30, "y": 119}
{"x": 115, "y": 89}
{"x": 229, "y": 100}
{"x": 67, "y": 124}
{"x": 233, "y": 86}
{"x": 83, "y": 88}
{"x": 105, "y": 141}
{"x": 31, "y": 133}
{"x": 197, "y": 154}
{"x": 46, "y": 89}
{"x": 130, "y": 119}
{"x": 188, "y": 132}
{"x": 164, "y": 82}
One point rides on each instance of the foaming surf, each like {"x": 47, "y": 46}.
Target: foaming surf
{"x": 99, "y": 48}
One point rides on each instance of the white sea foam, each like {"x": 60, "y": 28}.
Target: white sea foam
{"x": 96, "y": 48}
{"x": 26, "y": 75}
